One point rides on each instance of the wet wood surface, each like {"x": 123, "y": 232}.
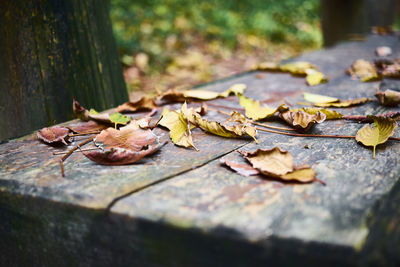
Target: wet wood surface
{"x": 180, "y": 207}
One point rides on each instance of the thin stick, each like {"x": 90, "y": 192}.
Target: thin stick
{"x": 71, "y": 151}
{"x": 256, "y": 123}
{"x": 80, "y": 134}
{"x": 63, "y": 153}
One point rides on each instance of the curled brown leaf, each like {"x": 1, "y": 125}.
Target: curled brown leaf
{"x": 302, "y": 120}
{"x": 54, "y": 135}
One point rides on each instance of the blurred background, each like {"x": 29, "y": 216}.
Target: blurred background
{"x": 168, "y": 43}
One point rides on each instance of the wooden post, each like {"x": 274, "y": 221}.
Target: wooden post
{"x": 50, "y": 52}
{"x": 344, "y": 18}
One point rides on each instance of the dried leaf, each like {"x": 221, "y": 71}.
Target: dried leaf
{"x": 54, "y": 135}
{"x": 124, "y": 146}
{"x": 391, "y": 70}
{"x": 81, "y": 112}
{"x": 314, "y": 98}
{"x": 364, "y": 70}
{"x": 237, "y": 117}
{"x": 255, "y": 112}
{"x": 229, "y": 131}
{"x": 330, "y": 114}
{"x": 277, "y": 163}
{"x": 315, "y": 77}
{"x": 241, "y": 168}
{"x": 118, "y": 118}
{"x": 383, "y": 51}
{"x": 298, "y": 68}
{"x": 302, "y": 120}
{"x": 377, "y": 133}
{"x": 267, "y": 66}
{"x": 85, "y": 127}
{"x": 179, "y": 127}
{"x": 389, "y": 97}
{"x": 174, "y": 95}
{"x": 345, "y": 103}
{"x": 141, "y": 104}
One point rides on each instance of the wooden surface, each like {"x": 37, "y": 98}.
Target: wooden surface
{"x": 53, "y": 51}
{"x": 182, "y": 208}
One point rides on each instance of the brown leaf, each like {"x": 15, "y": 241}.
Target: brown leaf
{"x": 141, "y": 104}
{"x": 124, "y": 146}
{"x": 85, "y": 127}
{"x": 241, "y": 168}
{"x": 277, "y": 163}
{"x": 391, "y": 70}
{"x": 81, "y": 112}
{"x": 364, "y": 70}
{"x": 388, "y": 98}
{"x": 54, "y": 135}
{"x": 302, "y": 120}
{"x": 345, "y": 103}
{"x": 330, "y": 114}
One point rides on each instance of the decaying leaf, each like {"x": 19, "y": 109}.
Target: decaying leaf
{"x": 298, "y": 68}
{"x": 224, "y": 130}
{"x": 345, "y": 103}
{"x": 389, "y": 97}
{"x": 86, "y": 127}
{"x": 255, "y": 112}
{"x": 376, "y": 133}
{"x": 179, "y": 126}
{"x": 174, "y": 95}
{"x": 302, "y": 120}
{"x": 237, "y": 117}
{"x": 124, "y": 146}
{"x": 141, "y": 104}
{"x": 330, "y": 114}
{"x": 277, "y": 163}
{"x": 314, "y": 98}
{"x": 315, "y": 77}
{"x": 54, "y": 135}
{"x": 364, "y": 70}
{"x": 241, "y": 168}
{"x": 390, "y": 69}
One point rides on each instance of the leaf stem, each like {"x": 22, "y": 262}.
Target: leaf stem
{"x": 63, "y": 152}
{"x": 71, "y": 151}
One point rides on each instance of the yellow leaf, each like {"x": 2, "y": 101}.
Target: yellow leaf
{"x": 297, "y": 68}
{"x": 255, "y": 112}
{"x": 345, "y": 103}
{"x": 377, "y": 133}
{"x": 267, "y": 66}
{"x": 235, "y": 89}
{"x": 303, "y": 175}
{"x": 388, "y": 98}
{"x": 229, "y": 131}
{"x": 315, "y": 78}
{"x": 302, "y": 120}
{"x": 364, "y": 70}
{"x": 200, "y": 94}
{"x": 330, "y": 114}
{"x": 314, "y": 98}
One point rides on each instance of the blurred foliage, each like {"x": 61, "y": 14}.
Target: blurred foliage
{"x": 160, "y": 37}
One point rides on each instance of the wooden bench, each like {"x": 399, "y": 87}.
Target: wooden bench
{"x": 180, "y": 207}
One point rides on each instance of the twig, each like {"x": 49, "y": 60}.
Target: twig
{"x": 71, "y": 151}
{"x": 80, "y": 134}
{"x": 363, "y": 118}
{"x": 62, "y": 153}
{"x": 256, "y": 123}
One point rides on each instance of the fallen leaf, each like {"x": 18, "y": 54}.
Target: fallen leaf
{"x": 302, "y": 120}
{"x": 330, "y": 114}
{"x": 383, "y": 51}
{"x": 376, "y": 133}
{"x": 298, "y": 68}
{"x": 255, "y": 112}
{"x": 389, "y": 97}
{"x": 241, "y": 168}
{"x": 124, "y": 146}
{"x": 90, "y": 126}
{"x": 80, "y": 112}
{"x": 315, "y": 77}
{"x": 235, "y": 89}
{"x": 219, "y": 129}
{"x": 345, "y": 103}
{"x": 364, "y": 70}
{"x": 391, "y": 70}
{"x": 277, "y": 163}
{"x": 54, "y": 135}
{"x": 314, "y": 98}
{"x": 238, "y": 117}
{"x": 141, "y": 104}
{"x": 267, "y": 66}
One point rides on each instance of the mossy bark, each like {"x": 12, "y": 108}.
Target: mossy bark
{"x": 52, "y": 51}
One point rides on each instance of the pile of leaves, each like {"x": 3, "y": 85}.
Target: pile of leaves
{"x": 120, "y": 139}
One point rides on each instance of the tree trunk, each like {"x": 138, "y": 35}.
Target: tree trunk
{"x": 50, "y": 52}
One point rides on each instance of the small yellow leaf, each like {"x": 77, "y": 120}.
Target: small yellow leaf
{"x": 315, "y": 78}
{"x": 267, "y": 66}
{"x": 255, "y": 112}
{"x": 200, "y": 94}
{"x": 377, "y": 133}
{"x": 314, "y": 98}
{"x": 297, "y": 68}
{"x": 330, "y": 114}
{"x": 364, "y": 70}
{"x": 302, "y": 120}
{"x": 303, "y": 175}
{"x": 235, "y": 89}
{"x": 345, "y": 103}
